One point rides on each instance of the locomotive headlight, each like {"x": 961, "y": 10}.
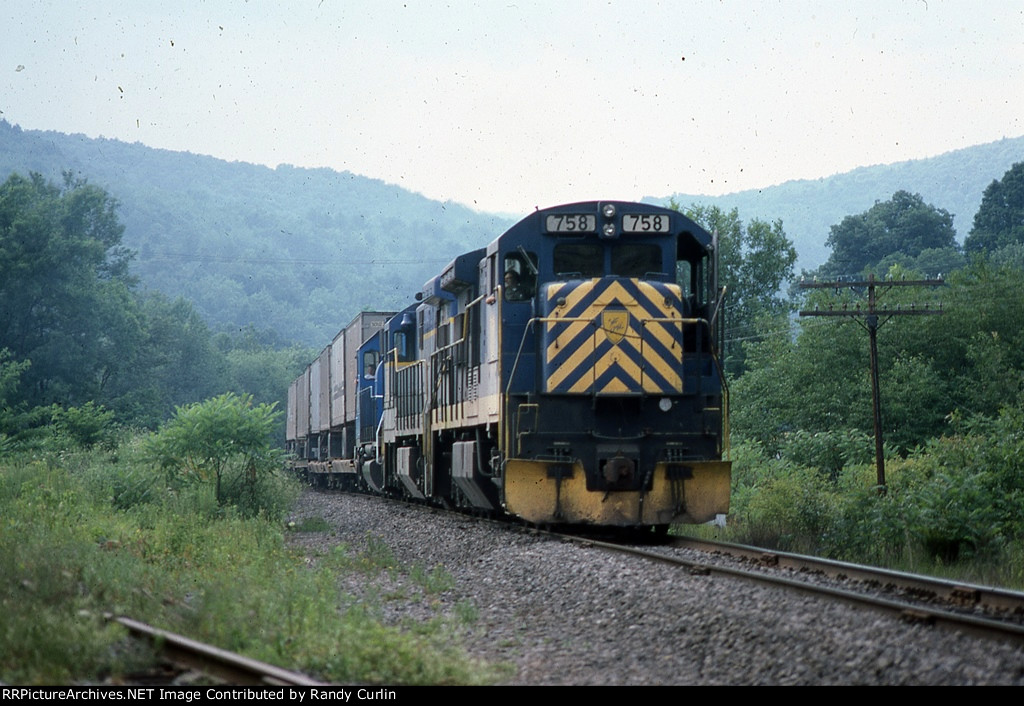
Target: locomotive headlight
{"x": 608, "y": 231}
{"x": 665, "y": 404}
{"x": 608, "y": 210}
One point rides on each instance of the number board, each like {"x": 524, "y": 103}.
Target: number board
{"x": 645, "y": 223}
{"x": 570, "y": 223}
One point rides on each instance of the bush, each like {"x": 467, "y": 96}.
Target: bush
{"x": 776, "y": 503}
{"x": 86, "y": 426}
{"x": 225, "y": 440}
{"x": 829, "y": 451}
{"x": 956, "y": 499}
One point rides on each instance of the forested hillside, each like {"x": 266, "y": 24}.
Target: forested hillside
{"x": 295, "y": 253}
{"x": 808, "y": 208}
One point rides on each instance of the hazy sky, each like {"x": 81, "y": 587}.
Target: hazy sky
{"x": 513, "y": 104}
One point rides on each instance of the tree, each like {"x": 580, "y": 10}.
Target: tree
{"x": 967, "y": 362}
{"x": 176, "y": 364}
{"x": 755, "y": 262}
{"x": 208, "y": 440}
{"x": 999, "y": 221}
{"x": 66, "y": 301}
{"x": 904, "y": 225}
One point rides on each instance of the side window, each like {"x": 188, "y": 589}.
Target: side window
{"x": 442, "y": 325}
{"x": 691, "y": 276}
{"x": 401, "y": 346}
{"x": 369, "y": 364}
{"x": 520, "y": 276}
{"x": 459, "y": 327}
{"x": 684, "y": 276}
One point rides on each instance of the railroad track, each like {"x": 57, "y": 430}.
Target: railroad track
{"x": 223, "y": 666}
{"x": 984, "y": 611}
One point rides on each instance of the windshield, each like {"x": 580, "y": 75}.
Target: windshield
{"x": 586, "y": 260}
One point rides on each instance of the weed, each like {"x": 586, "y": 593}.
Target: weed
{"x": 434, "y": 581}
{"x": 466, "y": 612}
{"x": 311, "y": 524}
{"x": 73, "y": 547}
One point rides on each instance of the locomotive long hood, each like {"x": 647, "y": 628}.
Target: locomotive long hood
{"x": 612, "y": 336}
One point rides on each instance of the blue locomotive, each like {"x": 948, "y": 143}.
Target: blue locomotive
{"x": 565, "y": 374}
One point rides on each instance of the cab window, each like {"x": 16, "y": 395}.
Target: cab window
{"x": 369, "y": 364}
{"x": 636, "y": 260}
{"x": 520, "y": 277}
{"x": 401, "y": 344}
{"x": 579, "y": 260}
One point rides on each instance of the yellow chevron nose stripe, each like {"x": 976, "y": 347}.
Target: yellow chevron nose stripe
{"x": 613, "y": 337}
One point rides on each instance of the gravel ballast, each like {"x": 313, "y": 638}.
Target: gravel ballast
{"x": 557, "y": 613}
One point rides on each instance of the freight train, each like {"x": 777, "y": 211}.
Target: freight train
{"x": 566, "y": 374}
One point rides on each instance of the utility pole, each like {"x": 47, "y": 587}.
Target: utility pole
{"x": 872, "y": 325}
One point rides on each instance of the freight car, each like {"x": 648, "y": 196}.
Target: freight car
{"x": 567, "y": 373}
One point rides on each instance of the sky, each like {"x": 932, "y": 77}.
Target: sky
{"x": 509, "y": 105}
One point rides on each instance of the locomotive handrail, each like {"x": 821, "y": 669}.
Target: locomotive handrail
{"x": 506, "y": 423}
{"x": 590, "y": 320}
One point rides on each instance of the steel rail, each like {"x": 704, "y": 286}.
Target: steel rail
{"x": 225, "y": 666}
{"x": 962, "y": 593}
{"x": 1005, "y": 600}
{"x": 909, "y": 612}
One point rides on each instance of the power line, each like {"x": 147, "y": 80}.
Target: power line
{"x": 186, "y": 257}
{"x": 871, "y": 323}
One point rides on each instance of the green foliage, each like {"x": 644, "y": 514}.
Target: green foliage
{"x": 70, "y": 552}
{"x": 776, "y": 503}
{"x": 64, "y": 288}
{"x": 999, "y": 221}
{"x": 12, "y": 414}
{"x": 298, "y": 251}
{"x": 976, "y": 348}
{"x": 817, "y": 383}
{"x": 86, "y": 426}
{"x": 176, "y": 363}
{"x": 434, "y": 581}
{"x": 57, "y": 578}
{"x": 755, "y": 262}
{"x": 76, "y": 332}
{"x": 828, "y": 451}
{"x": 904, "y": 225}
{"x": 263, "y": 371}
{"x": 225, "y": 440}
{"x": 971, "y": 358}
{"x": 956, "y": 499}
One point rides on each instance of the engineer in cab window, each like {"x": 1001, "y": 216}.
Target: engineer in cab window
{"x": 517, "y": 286}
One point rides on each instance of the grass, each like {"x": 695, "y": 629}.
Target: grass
{"x": 310, "y": 524}
{"x": 952, "y": 506}
{"x": 84, "y": 533}
{"x": 1001, "y": 567}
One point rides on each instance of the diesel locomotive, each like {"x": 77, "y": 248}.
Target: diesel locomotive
{"x": 566, "y": 373}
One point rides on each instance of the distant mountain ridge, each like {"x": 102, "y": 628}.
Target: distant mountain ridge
{"x": 954, "y": 181}
{"x": 296, "y": 251}
{"x": 300, "y": 251}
